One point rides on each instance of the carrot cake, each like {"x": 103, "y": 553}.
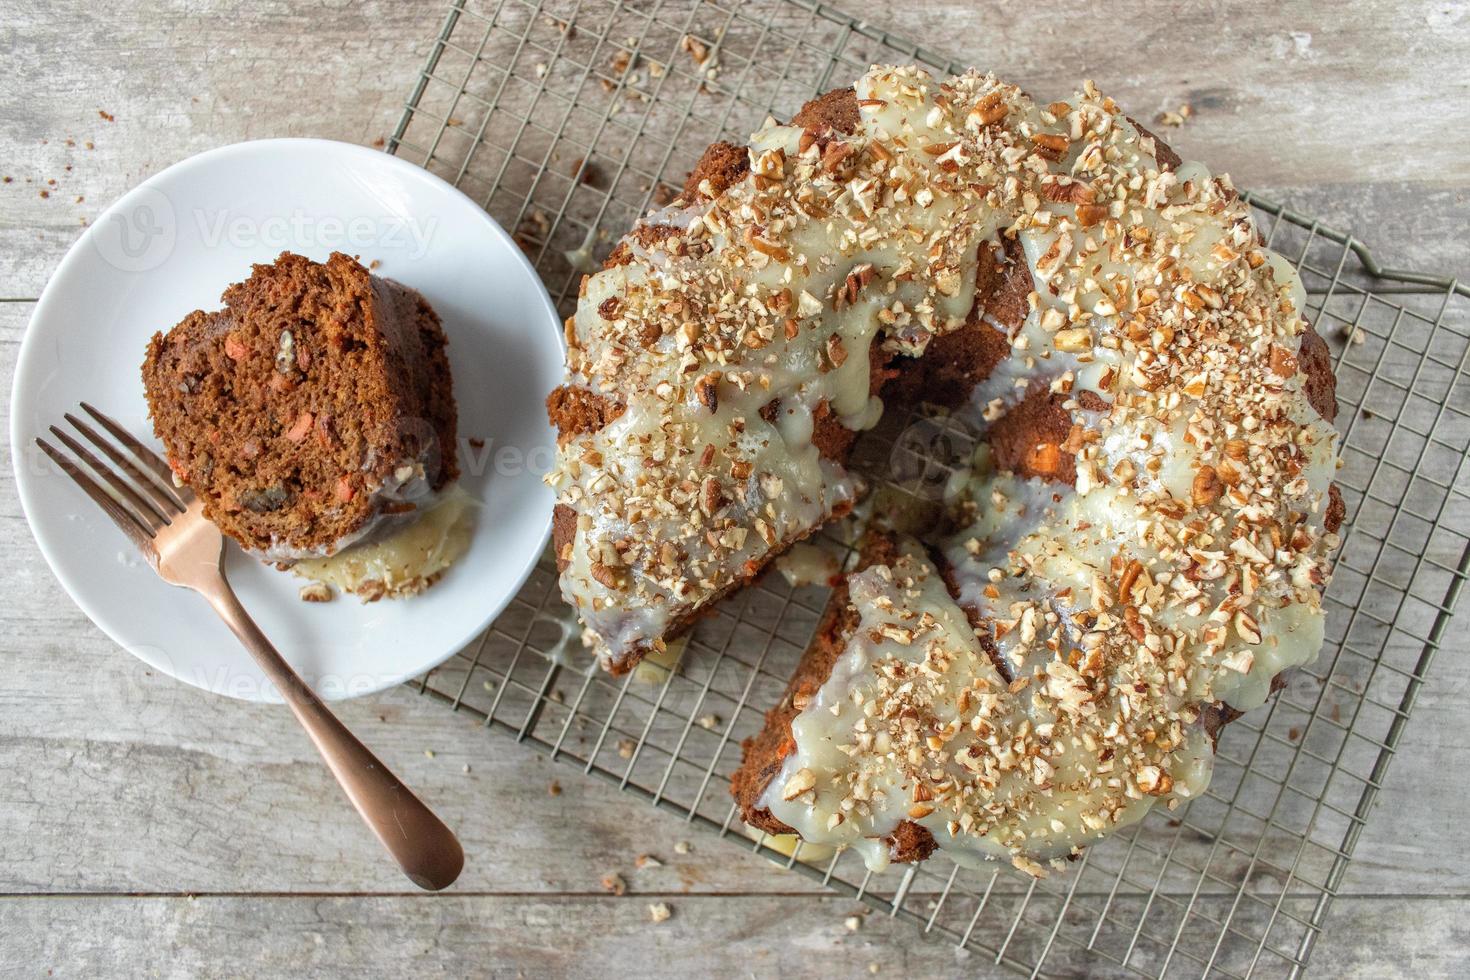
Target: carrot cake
{"x": 313, "y": 412}
{"x": 1139, "y": 547}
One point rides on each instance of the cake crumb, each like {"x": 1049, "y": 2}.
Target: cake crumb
{"x": 647, "y": 861}
{"x": 853, "y": 923}
{"x": 626, "y": 747}
{"x": 1175, "y": 117}
{"x": 613, "y": 883}
{"x": 659, "y": 912}
{"x": 586, "y": 172}
{"x": 563, "y": 26}
{"x": 313, "y": 591}
{"x": 695, "y": 48}
{"x": 709, "y": 722}
{"x": 374, "y": 265}
{"x": 106, "y": 115}
{"x": 554, "y": 789}
{"x": 428, "y": 753}
{"x": 683, "y": 847}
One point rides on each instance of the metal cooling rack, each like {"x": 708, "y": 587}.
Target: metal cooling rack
{"x": 567, "y": 120}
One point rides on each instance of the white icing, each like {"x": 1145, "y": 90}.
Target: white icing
{"x": 807, "y": 564}
{"x": 404, "y": 561}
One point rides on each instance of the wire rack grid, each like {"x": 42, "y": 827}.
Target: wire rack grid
{"x": 569, "y": 119}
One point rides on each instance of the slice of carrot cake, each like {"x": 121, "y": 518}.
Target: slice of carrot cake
{"x": 312, "y": 412}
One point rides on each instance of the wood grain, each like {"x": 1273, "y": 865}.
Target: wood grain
{"x": 579, "y": 936}
{"x": 144, "y": 823}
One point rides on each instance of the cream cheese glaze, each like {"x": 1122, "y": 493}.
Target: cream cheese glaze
{"x": 406, "y": 560}
{"x": 407, "y": 483}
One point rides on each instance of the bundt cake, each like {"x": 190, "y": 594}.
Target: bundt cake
{"x": 312, "y": 412}
{"x": 1136, "y": 551}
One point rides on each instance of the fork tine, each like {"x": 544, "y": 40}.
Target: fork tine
{"x": 140, "y": 509}
{"x": 164, "y": 504}
{"x": 119, "y": 514}
{"x": 149, "y": 457}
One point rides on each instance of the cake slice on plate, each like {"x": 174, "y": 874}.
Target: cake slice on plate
{"x": 313, "y": 412}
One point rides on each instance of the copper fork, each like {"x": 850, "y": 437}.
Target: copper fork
{"x": 167, "y": 524}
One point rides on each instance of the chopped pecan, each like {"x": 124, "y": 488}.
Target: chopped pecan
{"x": 1130, "y": 577}
{"x": 856, "y": 280}
{"x": 1283, "y": 362}
{"x": 1052, "y": 146}
{"x": 606, "y": 575}
{"x": 1207, "y": 486}
{"x": 711, "y": 497}
{"x": 989, "y": 110}
{"x": 835, "y": 154}
{"x": 708, "y": 390}
{"x": 836, "y": 352}
{"x": 1067, "y": 191}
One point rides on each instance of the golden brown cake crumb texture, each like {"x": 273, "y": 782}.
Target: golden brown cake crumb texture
{"x": 287, "y": 410}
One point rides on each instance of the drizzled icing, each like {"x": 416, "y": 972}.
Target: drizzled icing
{"x": 1184, "y": 568}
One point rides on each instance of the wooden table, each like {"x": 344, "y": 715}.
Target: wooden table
{"x": 145, "y": 827}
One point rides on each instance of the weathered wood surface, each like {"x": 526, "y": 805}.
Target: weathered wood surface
{"x": 142, "y": 823}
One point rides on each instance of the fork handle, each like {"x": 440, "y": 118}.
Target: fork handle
{"x": 426, "y": 849}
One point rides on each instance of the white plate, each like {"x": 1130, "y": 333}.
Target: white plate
{"x": 171, "y": 246}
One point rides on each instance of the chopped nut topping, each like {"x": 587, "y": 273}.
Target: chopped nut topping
{"x": 1065, "y": 696}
